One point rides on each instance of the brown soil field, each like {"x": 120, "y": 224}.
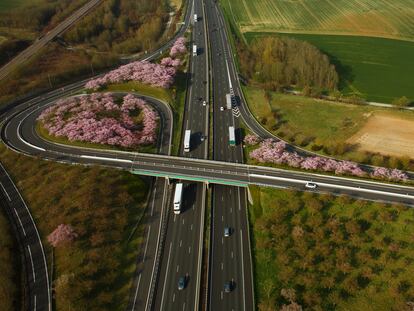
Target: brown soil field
{"x": 388, "y": 135}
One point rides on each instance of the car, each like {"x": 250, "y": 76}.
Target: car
{"x": 181, "y": 283}
{"x": 227, "y": 231}
{"x": 228, "y": 286}
{"x": 221, "y": 108}
{"x": 204, "y": 103}
{"x": 311, "y": 185}
{"x": 202, "y": 138}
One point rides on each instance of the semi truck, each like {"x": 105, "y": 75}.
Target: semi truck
{"x": 228, "y": 101}
{"x": 187, "y": 138}
{"x": 178, "y": 198}
{"x": 194, "y": 50}
{"x": 232, "y": 136}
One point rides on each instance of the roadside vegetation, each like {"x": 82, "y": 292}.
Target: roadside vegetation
{"x": 97, "y": 42}
{"x": 322, "y": 252}
{"x": 10, "y": 282}
{"x": 93, "y": 270}
{"x": 336, "y": 129}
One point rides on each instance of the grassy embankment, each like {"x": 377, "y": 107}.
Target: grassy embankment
{"x": 336, "y": 253}
{"x": 104, "y": 207}
{"x": 10, "y": 281}
{"x": 320, "y": 126}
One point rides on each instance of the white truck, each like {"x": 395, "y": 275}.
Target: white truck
{"x": 194, "y": 50}
{"x": 195, "y": 18}
{"x": 178, "y": 197}
{"x": 232, "y": 136}
{"x": 187, "y": 138}
{"x": 228, "y": 101}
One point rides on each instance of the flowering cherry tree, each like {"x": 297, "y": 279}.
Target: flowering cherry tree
{"x": 251, "y": 140}
{"x": 62, "y": 234}
{"x": 272, "y": 151}
{"x": 141, "y": 71}
{"x": 98, "y": 118}
{"x": 178, "y": 47}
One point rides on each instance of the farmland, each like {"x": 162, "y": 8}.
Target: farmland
{"x": 335, "y": 253}
{"x": 11, "y": 4}
{"x": 373, "y": 18}
{"x": 329, "y": 124}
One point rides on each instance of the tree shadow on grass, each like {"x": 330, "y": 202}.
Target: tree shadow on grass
{"x": 345, "y": 73}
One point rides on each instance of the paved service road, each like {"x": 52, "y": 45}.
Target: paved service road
{"x": 41, "y": 42}
{"x": 28, "y": 237}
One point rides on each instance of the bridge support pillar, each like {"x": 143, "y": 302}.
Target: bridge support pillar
{"x": 207, "y": 184}
{"x": 168, "y": 180}
{"x": 249, "y": 196}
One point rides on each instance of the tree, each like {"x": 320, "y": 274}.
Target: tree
{"x": 401, "y": 101}
{"x": 61, "y": 235}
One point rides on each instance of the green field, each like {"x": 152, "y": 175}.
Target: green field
{"x": 11, "y": 4}
{"x": 374, "y": 18}
{"x": 336, "y": 253}
{"x": 307, "y": 121}
{"x": 373, "y": 68}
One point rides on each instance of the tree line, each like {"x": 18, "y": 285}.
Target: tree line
{"x": 123, "y": 26}
{"x": 280, "y": 62}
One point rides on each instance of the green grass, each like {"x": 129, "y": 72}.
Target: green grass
{"x": 321, "y": 122}
{"x": 349, "y": 255}
{"x": 104, "y": 207}
{"x": 11, "y": 4}
{"x": 359, "y": 17}
{"x": 373, "y": 68}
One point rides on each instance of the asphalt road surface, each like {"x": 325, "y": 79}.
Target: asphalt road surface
{"x": 182, "y": 253}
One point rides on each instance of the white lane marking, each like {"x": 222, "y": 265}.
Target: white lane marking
{"x": 222, "y": 240}
{"x": 105, "y": 159}
{"x": 221, "y": 295}
{"x": 20, "y": 221}
{"x": 189, "y": 249}
{"x": 31, "y": 260}
{"x": 183, "y": 306}
{"x": 35, "y": 303}
{"x": 166, "y": 276}
{"x": 301, "y": 181}
{"x": 136, "y": 292}
{"x": 174, "y": 297}
{"x": 146, "y": 244}
{"x": 25, "y": 142}
{"x": 191, "y": 227}
{"x": 153, "y": 201}
{"x": 178, "y": 268}
{"x": 222, "y": 266}
{"x": 181, "y": 243}
{"x": 4, "y": 190}
{"x": 242, "y": 260}
{"x": 232, "y": 254}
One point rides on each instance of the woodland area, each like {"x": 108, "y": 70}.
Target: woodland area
{"x": 281, "y": 62}
{"x": 322, "y": 252}
{"x": 115, "y": 27}
{"x": 94, "y": 269}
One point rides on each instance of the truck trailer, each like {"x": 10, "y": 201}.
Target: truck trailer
{"x": 228, "y": 101}
{"x": 232, "y": 136}
{"x": 187, "y": 138}
{"x": 194, "y": 50}
{"x": 178, "y": 197}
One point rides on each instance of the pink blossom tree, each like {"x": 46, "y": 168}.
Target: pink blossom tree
{"x": 62, "y": 234}
{"x": 178, "y": 47}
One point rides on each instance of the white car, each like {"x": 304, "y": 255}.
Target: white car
{"x": 221, "y": 108}
{"x": 311, "y": 185}
{"x": 204, "y": 103}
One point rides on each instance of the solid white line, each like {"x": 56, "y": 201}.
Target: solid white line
{"x": 8, "y": 197}
{"x": 25, "y": 142}
{"x": 18, "y": 218}
{"x": 105, "y": 159}
{"x": 166, "y": 276}
{"x": 31, "y": 260}
{"x": 244, "y": 294}
{"x": 136, "y": 292}
{"x": 153, "y": 201}
{"x": 300, "y": 181}
{"x": 146, "y": 244}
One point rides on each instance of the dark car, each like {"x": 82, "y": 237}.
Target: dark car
{"x": 228, "y": 287}
{"x": 181, "y": 283}
{"x": 227, "y": 232}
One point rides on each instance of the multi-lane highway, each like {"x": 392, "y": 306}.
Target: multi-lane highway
{"x": 49, "y": 36}
{"x": 230, "y": 259}
{"x": 182, "y": 254}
